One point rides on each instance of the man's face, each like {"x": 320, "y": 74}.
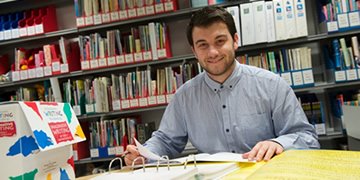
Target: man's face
{"x": 214, "y": 48}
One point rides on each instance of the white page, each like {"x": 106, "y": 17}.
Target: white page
{"x": 145, "y": 152}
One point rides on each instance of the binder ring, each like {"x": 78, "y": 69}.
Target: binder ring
{"x": 158, "y": 162}
{"x": 143, "y": 163}
{"x": 115, "y": 160}
{"x": 193, "y": 156}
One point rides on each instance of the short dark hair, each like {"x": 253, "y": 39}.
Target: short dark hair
{"x": 206, "y": 17}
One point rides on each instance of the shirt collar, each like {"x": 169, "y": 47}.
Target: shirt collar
{"x": 229, "y": 83}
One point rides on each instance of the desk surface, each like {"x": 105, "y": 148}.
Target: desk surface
{"x": 299, "y": 164}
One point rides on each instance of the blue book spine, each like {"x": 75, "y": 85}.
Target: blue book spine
{"x": 337, "y": 54}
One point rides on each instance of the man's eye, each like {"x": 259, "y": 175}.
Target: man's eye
{"x": 202, "y": 45}
{"x": 220, "y": 41}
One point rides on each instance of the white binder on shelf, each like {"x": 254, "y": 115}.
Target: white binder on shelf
{"x": 247, "y": 24}
{"x": 279, "y": 14}
{"x": 300, "y": 18}
{"x": 259, "y": 21}
{"x": 290, "y": 19}
{"x": 234, "y": 11}
{"x": 270, "y": 23}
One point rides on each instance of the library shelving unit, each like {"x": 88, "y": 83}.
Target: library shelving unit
{"x": 181, "y": 53}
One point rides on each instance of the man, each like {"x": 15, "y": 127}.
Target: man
{"x": 231, "y": 107}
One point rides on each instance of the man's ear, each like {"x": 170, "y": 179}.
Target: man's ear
{"x": 236, "y": 39}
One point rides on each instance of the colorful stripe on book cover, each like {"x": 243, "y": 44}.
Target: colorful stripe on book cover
{"x": 53, "y": 124}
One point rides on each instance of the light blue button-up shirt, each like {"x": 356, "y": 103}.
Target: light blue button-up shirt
{"x": 252, "y": 105}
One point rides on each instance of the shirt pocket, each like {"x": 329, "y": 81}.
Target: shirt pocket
{"x": 256, "y": 127}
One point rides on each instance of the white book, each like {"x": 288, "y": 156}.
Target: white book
{"x": 247, "y": 24}
{"x": 345, "y": 6}
{"x": 153, "y": 44}
{"x": 279, "y": 15}
{"x": 259, "y": 21}
{"x": 290, "y": 19}
{"x": 270, "y": 24}
{"x": 300, "y": 18}
{"x": 234, "y": 11}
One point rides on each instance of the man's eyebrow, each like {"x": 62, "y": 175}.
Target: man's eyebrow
{"x": 217, "y": 37}
{"x": 200, "y": 41}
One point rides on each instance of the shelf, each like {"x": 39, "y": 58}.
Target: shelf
{"x": 121, "y": 112}
{"x": 89, "y": 160}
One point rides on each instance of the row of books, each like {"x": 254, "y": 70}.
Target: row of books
{"x": 28, "y": 23}
{"x": 143, "y": 43}
{"x": 314, "y": 112}
{"x": 130, "y": 90}
{"x": 342, "y": 59}
{"x": 201, "y": 3}
{"x": 341, "y": 15}
{"x": 293, "y": 65}
{"x": 269, "y": 21}
{"x": 48, "y": 60}
{"x": 95, "y": 12}
{"x": 36, "y": 92}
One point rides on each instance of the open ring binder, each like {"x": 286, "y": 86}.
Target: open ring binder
{"x": 187, "y": 159}
{"x": 115, "y": 160}
{"x": 143, "y": 163}
{"x": 161, "y": 158}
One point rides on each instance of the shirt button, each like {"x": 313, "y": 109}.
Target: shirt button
{"x": 222, "y": 86}
{"x": 224, "y": 106}
{"x": 214, "y": 89}
{"x": 227, "y": 130}
{"x": 230, "y": 86}
{"x": 233, "y": 151}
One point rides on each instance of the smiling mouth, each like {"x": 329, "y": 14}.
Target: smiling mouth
{"x": 215, "y": 60}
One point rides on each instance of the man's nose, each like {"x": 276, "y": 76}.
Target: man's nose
{"x": 213, "y": 52}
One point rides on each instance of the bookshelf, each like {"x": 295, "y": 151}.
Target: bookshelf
{"x": 175, "y": 20}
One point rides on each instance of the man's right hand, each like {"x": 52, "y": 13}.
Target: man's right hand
{"x": 132, "y": 153}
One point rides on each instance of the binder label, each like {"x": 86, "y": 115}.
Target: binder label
{"x": 159, "y": 8}
{"x": 320, "y": 129}
{"x": 161, "y": 99}
{"x": 119, "y": 150}
{"x": 85, "y": 65}
{"x": 80, "y": 21}
{"x": 15, "y": 33}
{"x": 169, "y": 97}
{"x": 111, "y": 61}
{"x": 358, "y": 72}
{"x": 143, "y": 102}
{"x": 343, "y": 20}
{"x": 31, "y": 30}
{"x": 40, "y": 72}
{"x": 308, "y": 76}
{"x": 15, "y": 76}
{"x": 297, "y": 78}
{"x": 132, "y": 13}
{"x": 94, "y": 64}
{"x": 125, "y": 104}
{"x": 123, "y": 14}
{"x": 94, "y": 152}
{"x": 116, "y": 105}
{"x": 77, "y": 110}
{"x": 114, "y": 16}
{"x": 111, "y": 151}
{"x": 64, "y": 68}
{"x": 106, "y": 18}
{"x": 23, "y": 32}
{"x": 102, "y": 62}
{"x": 150, "y": 10}
{"x": 7, "y": 129}
{"x": 32, "y": 73}
{"x": 332, "y": 26}
{"x": 287, "y": 78}
{"x": 39, "y": 29}
{"x": 89, "y": 20}
{"x": 161, "y": 53}
{"x": 134, "y": 103}
{"x": 23, "y": 74}
{"x": 354, "y": 18}
{"x": 97, "y": 19}
{"x": 147, "y": 55}
{"x": 120, "y": 59}
{"x": 340, "y": 76}
{"x": 7, "y": 34}
{"x": 141, "y": 11}
{"x": 138, "y": 57}
{"x": 89, "y": 108}
{"x": 169, "y": 6}
{"x": 129, "y": 58}
{"x": 351, "y": 74}
{"x": 47, "y": 71}
{"x": 55, "y": 66}
{"x": 1, "y": 35}
{"x": 152, "y": 100}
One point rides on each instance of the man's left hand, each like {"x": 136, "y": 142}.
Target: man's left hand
{"x": 264, "y": 150}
